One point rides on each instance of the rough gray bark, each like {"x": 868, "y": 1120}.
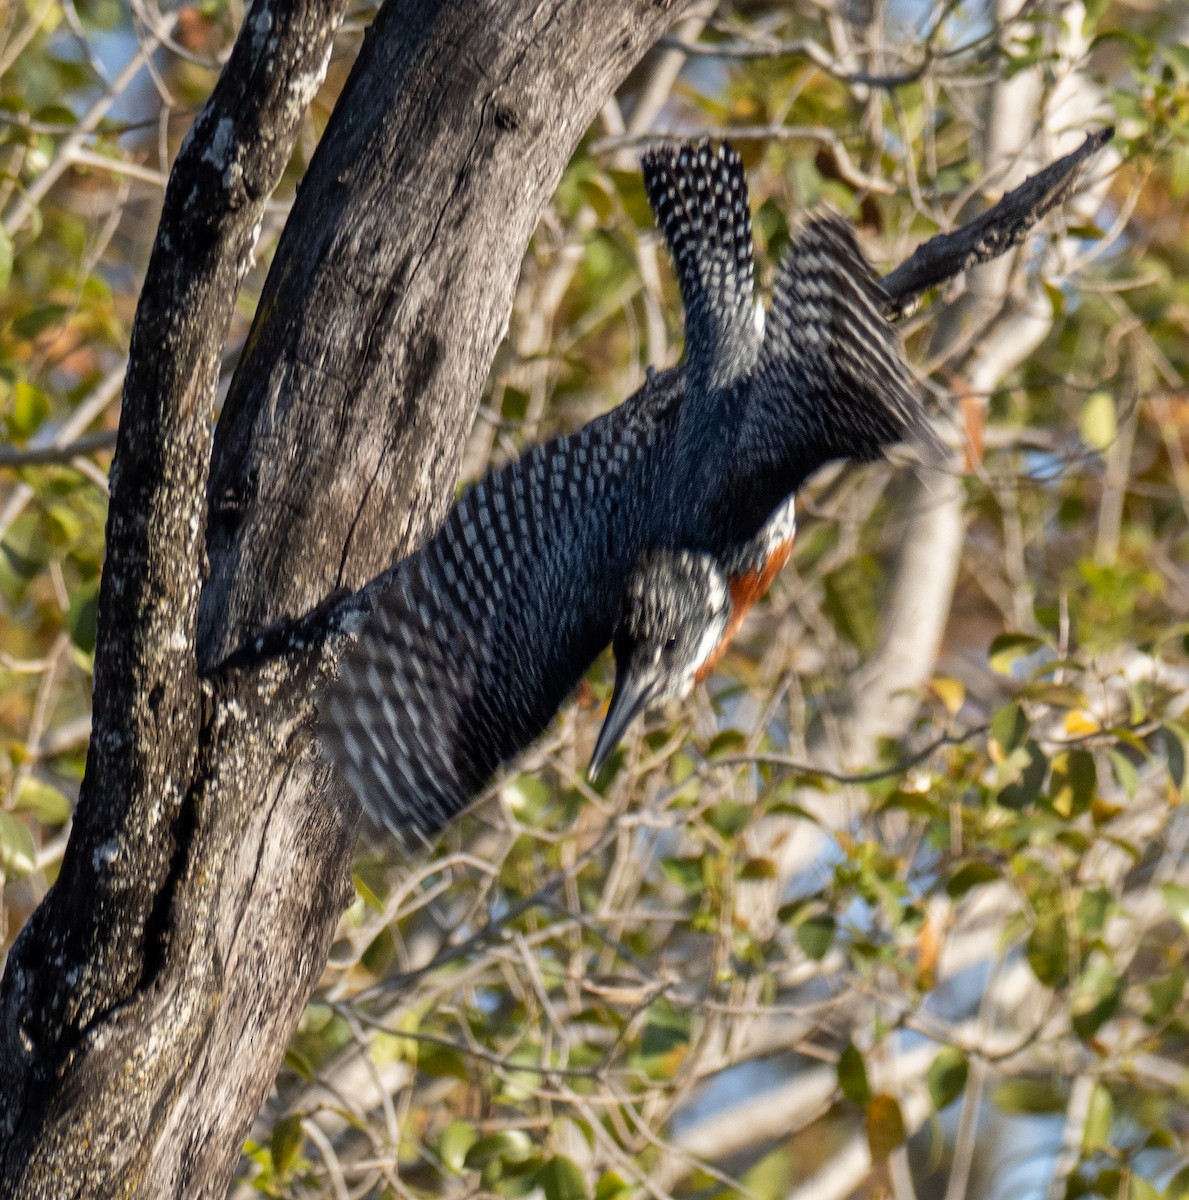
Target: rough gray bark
{"x": 147, "y": 1003}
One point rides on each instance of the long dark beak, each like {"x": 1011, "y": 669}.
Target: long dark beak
{"x": 628, "y": 699}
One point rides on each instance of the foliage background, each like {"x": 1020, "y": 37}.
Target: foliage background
{"x": 899, "y": 904}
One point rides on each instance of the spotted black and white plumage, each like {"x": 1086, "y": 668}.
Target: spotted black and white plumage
{"x": 698, "y": 195}
{"x": 468, "y": 647}
{"x": 830, "y": 381}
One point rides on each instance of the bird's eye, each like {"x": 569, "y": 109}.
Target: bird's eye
{"x": 670, "y": 645}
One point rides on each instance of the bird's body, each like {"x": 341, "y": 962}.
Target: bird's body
{"x": 654, "y": 527}
{"x": 827, "y": 380}
{"x": 470, "y": 646}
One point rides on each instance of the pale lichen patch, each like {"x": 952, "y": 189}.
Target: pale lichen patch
{"x": 105, "y": 854}
{"x": 217, "y": 152}
{"x": 305, "y": 87}
{"x": 261, "y": 27}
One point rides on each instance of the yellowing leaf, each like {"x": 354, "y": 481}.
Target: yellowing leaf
{"x": 1079, "y": 723}
{"x": 951, "y": 692}
{"x": 1097, "y": 1132}
{"x": 1075, "y": 782}
{"x": 885, "y": 1126}
{"x": 1098, "y": 423}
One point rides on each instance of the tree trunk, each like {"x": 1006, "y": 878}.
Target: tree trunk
{"x": 147, "y": 1003}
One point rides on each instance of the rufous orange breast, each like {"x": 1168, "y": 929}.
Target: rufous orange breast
{"x": 745, "y": 589}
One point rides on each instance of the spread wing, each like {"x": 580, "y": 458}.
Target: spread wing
{"x": 831, "y": 381}
{"x": 472, "y": 644}
{"x": 699, "y": 197}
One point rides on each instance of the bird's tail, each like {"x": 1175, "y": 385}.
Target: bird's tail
{"x": 698, "y": 194}
{"x": 832, "y": 366}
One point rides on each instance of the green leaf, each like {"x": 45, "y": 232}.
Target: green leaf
{"x": 38, "y": 320}
{"x": 630, "y": 187}
{"x": 666, "y": 1030}
{"x": 526, "y": 795}
{"x": 56, "y": 114}
{"x": 947, "y": 1076}
{"x": 1075, "y": 780}
{"x": 1009, "y": 727}
{"x": 5, "y": 260}
{"x": 23, "y": 553}
{"x": 506, "y": 1146}
{"x": 1056, "y": 299}
{"x": 1096, "y": 1135}
{"x": 728, "y": 741}
{"x": 1022, "y": 1096}
{"x": 1176, "y": 900}
{"x": 44, "y": 801}
{"x": 82, "y": 616}
{"x": 1125, "y": 771}
{"x": 970, "y": 875}
{"x": 443, "y": 1062}
{"x": 849, "y": 601}
{"x": 1008, "y": 648}
{"x": 1096, "y": 998}
{"x": 816, "y": 935}
{"x": 456, "y": 1140}
{"x": 756, "y": 869}
{"x": 1165, "y": 993}
{"x": 1094, "y": 907}
{"x": 1178, "y": 1186}
{"x": 729, "y": 817}
{"x": 685, "y": 871}
{"x": 1048, "y": 950}
{"x": 29, "y": 409}
{"x": 852, "y": 1075}
{"x": 1025, "y": 789}
{"x": 285, "y": 1144}
{"x": 597, "y": 198}
{"x": 560, "y": 1178}
{"x": 300, "y": 1064}
{"x": 18, "y": 854}
{"x": 1174, "y": 753}
{"x": 613, "y": 1186}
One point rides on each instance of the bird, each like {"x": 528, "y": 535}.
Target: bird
{"x": 826, "y": 380}
{"x": 465, "y": 650}
{"x": 634, "y": 529}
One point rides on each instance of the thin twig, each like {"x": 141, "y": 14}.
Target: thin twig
{"x": 804, "y": 768}
{"x": 15, "y": 457}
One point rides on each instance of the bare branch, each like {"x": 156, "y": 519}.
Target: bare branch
{"x": 15, "y": 457}
{"x": 815, "y": 52}
{"x": 998, "y": 229}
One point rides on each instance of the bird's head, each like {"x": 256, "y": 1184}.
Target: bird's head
{"x": 675, "y": 612}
